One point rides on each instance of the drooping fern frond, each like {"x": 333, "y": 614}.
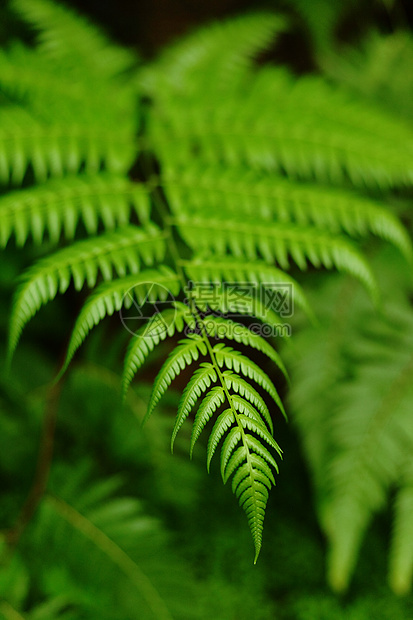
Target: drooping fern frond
{"x": 246, "y": 421}
{"x": 160, "y": 326}
{"x": 356, "y": 426}
{"x": 118, "y": 252}
{"x": 258, "y": 273}
{"x": 109, "y": 297}
{"x": 274, "y": 199}
{"x": 252, "y": 240}
{"x": 216, "y": 326}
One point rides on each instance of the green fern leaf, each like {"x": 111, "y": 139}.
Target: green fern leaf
{"x": 214, "y": 399}
{"x": 259, "y": 463}
{"x": 110, "y": 297}
{"x": 118, "y": 252}
{"x": 305, "y": 128}
{"x": 244, "y": 389}
{"x": 58, "y": 205}
{"x": 160, "y": 326}
{"x": 65, "y": 35}
{"x": 230, "y": 301}
{"x": 255, "y": 424}
{"x": 223, "y": 423}
{"x": 57, "y": 147}
{"x": 242, "y": 473}
{"x": 185, "y": 353}
{"x": 207, "y": 52}
{"x": 258, "y": 273}
{"x": 276, "y": 242}
{"x": 199, "y": 383}
{"x": 228, "y": 447}
{"x": 250, "y": 490}
{"x": 221, "y": 327}
{"x": 199, "y": 190}
{"x": 401, "y": 554}
{"x": 233, "y": 360}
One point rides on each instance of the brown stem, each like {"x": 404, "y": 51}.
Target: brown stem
{"x": 44, "y": 462}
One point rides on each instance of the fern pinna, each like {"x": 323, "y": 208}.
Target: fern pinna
{"x": 238, "y": 179}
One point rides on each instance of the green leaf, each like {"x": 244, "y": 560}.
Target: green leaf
{"x": 185, "y": 353}
{"x": 110, "y": 297}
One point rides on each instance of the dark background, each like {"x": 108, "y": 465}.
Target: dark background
{"x": 148, "y": 24}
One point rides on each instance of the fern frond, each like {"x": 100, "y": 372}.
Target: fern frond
{"x": 380, "y": 70}
{"x": 247, "y": 239}
{"x": 401, "y": 553}
{"x": 58, "y": 206}
{"x": 224, "y": 422}
{"x": 249, "y": 488}
{"x": 64, "y": 35}
{"x": 362, "y": 433}
{"x": 260, "y": 274}
{"x": 225, "y": 300}
{"x": 116, "y": 252}
{"x": 214, "y": 399}
{"x": 185, "y": 353}
{"x": 244, "y": 389}
{"x": 160, "y": 326}
{"x": 236, "y": 424}
{"x": 244, "y": 407}
{"x": 149, "y": 286}
{"x": 220, "y": 327}
{"x": 198, "y": 190}
{"x": 305, "y": 127}
{"x": 54, "y": 148}
{"x": 200, "y": 382}
{"x": 233, "y": 360}
{"x": 207, "y": 53}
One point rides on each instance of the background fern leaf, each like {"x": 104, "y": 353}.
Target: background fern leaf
{"x": 63, "y": 34}
{"x": 320, "y": 132}
{"x": 53, "y": 147}
{"x": 401, "y": 553}
{"x": 206, "y": 51}
{"x": 59, "y": 205}
{"x": 199, "y": 190}
{"x": 251, "y": 240}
